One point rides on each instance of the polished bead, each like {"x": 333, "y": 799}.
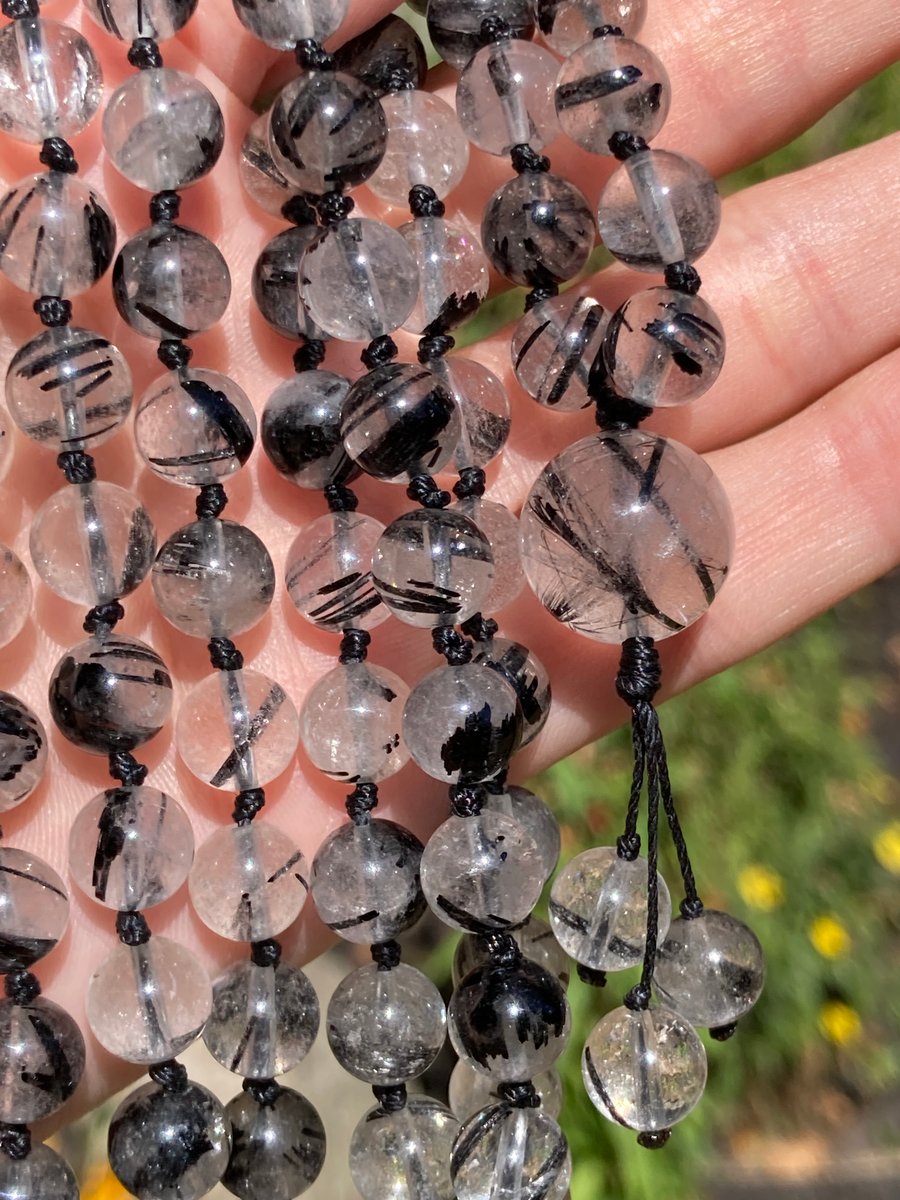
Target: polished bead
{"x": 329, "y": 572}
{"x": 351, "y": 723}
{"x": 644, "y": 1070}
{"x": 264, "y": 1019}
{"x": 274, "y": 282}
{"x": 56, "y": 236}
{"x": 537, "y": 229}
{"x": 50, "y": 80}
{"x": 663, "y": 347}
{"x": 455, "y": 25}
{"x": 404, "y": 1155}
{"x": 41, "y": 1059}
{"x": 263, "y": 179}
{"x": 163, "y": 129}
{"x": 504, "y": 97}
{"x": 386, "y": 56}
{"x": 170, "y": 282}
{"x": 481, "y": 873}
{"x": 15, "y": 597}
{"x": 453, "y": 274}
{"x": 511, "y": 1153}
{"x": 301, "y": 430}
{"x": 248, "y": 882}
{"x": 565, "y": 25}
{"x": 278, "y": 1148}
{"x": 658, "y": 208}
{"x": 626, "y": 534}
{"x": 359, "y": 280}
{"x": 281, "y": 23}
{"x": 534, "y": 938}
{"x": 462, "y": 723}
{"x": 147, "y": 1003}
{"x": 528, "y": 677}
{"x": 710, "y": 969}
{"x": 213, "y": 579}
{"x": 43, "y": 1175}
{"x": 237, "y": 729}
{"x": 433, "y": 567}
{"x": 126, "y": 20}
{"x": 483, "y": 409}
{"x": 92, "y": 542}
{"x": 386, "y": 1027}
{"x": 110, "y": 693}
{"x": 501, "y": 529}
{"x": 169, "y": 1145}
{"x": 34, "y": 909}
{"x": 23, "y": 751}
{"x": 554, "y": 346}
{"x": 365, "y": 881}
{"x": 534, "y": 815}
{"x": 68, "y": 388}
{"x": 469, "y": 1091}
{"x": 425, "y": 145}
{"x": 130, "y": 848}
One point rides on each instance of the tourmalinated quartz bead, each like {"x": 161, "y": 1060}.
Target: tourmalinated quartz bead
{"x": 527, "y": 676}
{"x": 483, "y": 410}
{"x": 433, "y": 567}
{"x": 658, "y": 208}
{"x": 598, "y": 909}
{"x": 386, "y": 1027}
{"x": 365, "y": 881}
{"x": 565, "y": 25}
{"x": 301, "y": 429}
{"x": 147, "y": 1003}
{"x": 537, "y": 229}
{"x": 710, "y": 969}
{"x": 34, "y": 909}
{"x": 277, "y": 1147}
{"x": 237, "y": 729}
{"x": 68, "y": 388}
{"x": 329, "y": 572}
{"x": 56, "y": 235}
{"x": 644, "y": 1069}
{"x": 536, "y": 818}
{"x": 462, "y": 723}
{"x": 131, "y": 848}
{"x": 110, "y": 693}
{"x": 43, "y": 1175}
{"x": 164, "y": 1143}
{"x": 405, "y": 1154}
{"x": 50, "y": 80}
{"x": 282, "y": 23}
{"x": 23, "y": 751}
{"x": 92, "y": 542}
{"x": 504, "y": 97}
{"x": 264, "y": 1019}
{"x": 359, "y": 280}
{"x": 248, "y": 882}
{"x": 15, "y": 598}
{"x": 481, "y": 873}
{"x": 263, "y": 179}
{"x": 213, "y": 578}
{"x": 170, "y": 282}
{"x": 453, "y": 273}
{"x": 554, "y": 346}
{"x": 663, "y": 347}
{"x": 425, "y": 145}
{"x": 41, "y": 1059}
{"x": 626, "y": 534}
{"x": 163, "y": 129}
{"x": 157, "y": 19}
{"x": 386, "y": 56}
{"x": 455, "y": 25}
{"x": 351, "y": 723}
{"x": 509, "y": 1153}
{"x": 501, "y": 529}
{"x": 534, "y": 938}
{"x": 469, "y": 1091}
{"x": 274, "y": 282}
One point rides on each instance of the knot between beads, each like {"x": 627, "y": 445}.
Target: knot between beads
{"x": 247, "y": 804}
{"x": 525, "y": 158}
{"x": 467, "y": 799}
{"x": 77, "y": 466}
{"x": 53, "y": 310}
{"x": 174, "y": 354}
{"x": 265, "y": 1092}
{"x": 171, "y": 1076}
{"x": 312, "y": 56}
{"x": 103, "y": 617}
{"x": 309, "y": 356}
{"x": 471, "y": 482}
{"x": 425, "y": 202}
{"x": 682, "y": 277}
{"x": 385, "y": 955}
{"x": 379, "y": 352}
{"x": 22, "y": 987}
{"x": 340, "y": 498}
{"x": 640, "y": 673}
{"x": 126, "y": 768}
{"x": 361, "y": 801}
{"x": 391, "y": 1097}
{"x": 224, "y": 654}
{"x": 165, "y": 207}
{"x": 266, "y": 953}
{"x": 144, "y": 55}
{"x": 479, "y": 627}
{"x": 15, "y": 1140}
{"x": 625, "y": 145}
{"x": 132, "y": 928}
{"x": 520, "y": 1095}
{"x": 57, "y": 155}
{"x": 426, "y": 492}
{"x": 211, "y": 501}
{"x": 354, "y": 645}
{"x": 452, "y": 645}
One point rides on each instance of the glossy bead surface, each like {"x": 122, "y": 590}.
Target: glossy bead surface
{"x": 483, "y": 408}
{"x": 43, "y": 1175}
{"x": 644, "y": 1070}
{"x": 511, "y": 1153}
{"x": 56, "y": 235}
{"x": 213, "y": 578}
{"x": 626, "y": 534}
{"x": 41, "y": 1059}
{"x": 534, "y": 816}
{"x": 425, "y": 145}
{"x": 554, "y": 346}
{"x": 274, "y": 282}
{"x": 455, "y": 25}
{"x": 469, "y": 1091}
{"x": 501, "y": 529}
{"x": 130, "y": 848}
{"x": 504, "y": 97}
{"x": 386, "y": 56}
{"x": 537, "y": 229}
{"x": 263, "y": 180}
{"x": 126, "y": 20}
{"x": 453, "y": 273}
{"x": 248, "y": 882}
{"x": 658, "y": 208}
{"x": 365, "y": 881}
{"x": 147, "y": 1003}
{"x": 15, "y": 599}
{"x": 92, "y": 542}
{"x": 278, "y": 1148}
{"x": 23, "y": 751}
{"x": 34, "y": 909}
{"x": 598, "y": 909}
{"x": 527, "y": 676}
{"x": 404, "y": 1155}
{"x": 534, "y": 938}
{"x": 710, "y": 969}
{"x": 568, "y": 24}
{"x": 301, "y": 430}
{"x": 281, "y": 23}
{"x": 170, "y": 282}
{"x": 329, "y": 572}
{"x": 386, "y": 1027}
{"x": 51, "y": 83}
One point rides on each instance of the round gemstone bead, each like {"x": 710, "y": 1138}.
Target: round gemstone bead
{"x": 282, "y": 23}
{"x": 483, "y": 408}
{"x": 710, "y": 969}
{"x": 15, "y": 598}
{"x": 41, "y": 1059}
{"x": 131, "y": 848}
{"x": 274, "y": 282}
{"x": 534, "y": 816}
{"x": 147, "y": 1003}
{"x": 278, "y": 1147}
{"x": 157, "y": 19}
{"x": 537, "y": 229}
{"x": 387, "y": 56}
{"x": 213, "y": 579}
{"x": 425, "y": 145}
{"x": 504, "y": 97}
{"x": 567, "y": 24}
{"x": 554, "y": 346}
{"x": 50, "y": 80}
{"x": 455, "y": 25}
{"x": 92, "y": 542}
{"x": 351, "y": 723}
{"x": 527, "y": 676}
{"x": 56, "y": 234}
{"x": 329, "y": 572}
{"x": 658, "y": 208}
{"x": 598, "y": 909}
{"x": 263, "y": 179}
{"x": 384, "y": 1144}
{"x": 534, "y": 938}
{"x": 23, "y": 751}
{"x": 509, "y": 1153}
{"x": 469, "y": 1091}
{"x": 43, "y": 1175}
{"x": 626, "y": 534}
{"x": 453, "y": 273}
{"x": 301, "y": 429}
{"x": 644, "y": 1070}
{"x": 34, "y": 909}
{"x": 501, "y": 529}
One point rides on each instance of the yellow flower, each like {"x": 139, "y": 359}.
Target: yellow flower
{"x": 839, "y": 1022}
{"x": 886, "y": 845}
{"x": 760, "y": 887}
{"x": 829, "y": 936}
{"x": 103, "y": 1185}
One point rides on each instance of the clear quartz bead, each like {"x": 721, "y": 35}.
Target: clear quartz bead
{"x": 41, "y": 1059}
{"x": 554, "y": 346}
{"x": 537, "y": 229}
{"x": 510, "y": 1153}
{"x": 469, "y": 1091}
{"x": 34, "y": 909}
{"x": 534, "y": 938}
{"x": 565, "y": 25}
{"x": 263, "y": 179}
{"x": 329, "y": 572}
{"x": 404, "y": 1155}
{"x": 710, "y": 969}
{"x": 598, "y": 909}
{"x": 535, "y": 817}
{"x": 147, "y": 1003}
{"x": 51, "y": 83}
{"x": 501, "y": 529}
{"x": 504, "y": 97}
{"x": 278, "y": 1147}
{"x": 130, "y": 848}
{"x": 15, "y": 598}
{"x": 274, "y": 282}
{"x": 23, "y": 751}
{"x": 455, "y": 25}
{"x": 425, "y": 145}
{"x": 626, "y": 534}
{"x": 43, "y": 1175}
{"x": 453, "y": 273}
{"x": 644, "y": 1069}
{"x": 282, "y": 23}
{"x": 386, "y": 56}
{"x": 301, "y": 430}
{"x": 127, "y": 20}
{"x": 483, "y": 408}
{"x": 526, "y": 675}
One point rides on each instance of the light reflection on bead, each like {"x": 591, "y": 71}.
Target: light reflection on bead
{"x": 567, "y": 24}
{"x": 534, "y": 938}
{"x": 469, "y": 1091}
{"x": 554, "y": 346}
{"x": 511, "y": 1153}
{"x": 41, "y": 1059}
{"x": 301, "y": 430}
{"x": 526, "y": 675}
{"x": 329, "y": 572}
{"x": 23, "y": 750}
{"x": 51, "y": 83}
{"x": 710, "y": 969}
{"x": 404, "y": 1155}
{"x": 43, "y": 1175}
{"x": 504, "y": 97}
{"x": 501, "y": 529}
{"x": 278, "y": 1147}
{"x": 425, "y": 145}
{"x": 34, "y": 909}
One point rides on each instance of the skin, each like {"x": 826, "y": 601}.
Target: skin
{"x": 801, "y": 426}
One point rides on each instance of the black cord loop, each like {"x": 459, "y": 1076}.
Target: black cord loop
{"x": 15, "y": 1140}
{"x": 472, "y": 482}
{"x": 425, "y": 202}
{"x": 524, "y": 158}
{"x": 452, "y": 645}
{"x": 379, "y": 352}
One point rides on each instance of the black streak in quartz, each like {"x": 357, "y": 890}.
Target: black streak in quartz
{"x": 493, "y": 1000}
